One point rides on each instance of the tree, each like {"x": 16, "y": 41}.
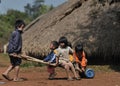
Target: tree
{"x": 7, "y": 23}
{"x": 28, "y": 9}
{"x": 36, "y": 6}
{"x": 37, "y": 9}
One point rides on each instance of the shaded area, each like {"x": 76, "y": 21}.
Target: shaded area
{"x": 115, "y": 67}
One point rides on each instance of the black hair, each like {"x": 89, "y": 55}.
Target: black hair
{"x": 69, "y": 44}
{"x": 18, "y": 23}
{"x": 55, "y": 44}
{"x": 63, "y": 40}
{"x": 79, "y": 48}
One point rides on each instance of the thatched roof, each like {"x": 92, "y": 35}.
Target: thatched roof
{"x": 96, "y": 26}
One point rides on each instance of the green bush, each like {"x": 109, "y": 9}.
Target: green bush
{"x": 31, "y": 64}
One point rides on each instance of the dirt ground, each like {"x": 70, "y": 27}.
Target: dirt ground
{"x": 38, "y": 76}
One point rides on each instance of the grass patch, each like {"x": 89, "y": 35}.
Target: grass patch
{"x": 105, "y": 68}
{"x": 4, "y": 60}
{"x": 4, "y": 57}
{"x": 31, "y": 64}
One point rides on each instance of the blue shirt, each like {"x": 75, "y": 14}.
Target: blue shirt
{"x": 50, "y": 57}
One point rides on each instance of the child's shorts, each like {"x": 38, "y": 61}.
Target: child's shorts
{"x": 15, "y": 61}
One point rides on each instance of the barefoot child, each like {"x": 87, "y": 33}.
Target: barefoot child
{"x": 63, "y": 52}
{"x": 80, "y": 59}
{"x": 52, "y": 59}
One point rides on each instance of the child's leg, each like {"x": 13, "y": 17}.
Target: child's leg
{"x": 10, "y": 67}
{"x": 8, "y": 70}
{"x": 77, "y": 70}
{"x": 73, "y": 70}
{"x": 77, "y": 67}
{"x": 80, "y": 70}
{"x": 6, "y": 73}
{"x": 51, "y": 70}
{"x": 82, "y": 74}
{"x": 17, "y": 68}
{"x": 67, "y": 68}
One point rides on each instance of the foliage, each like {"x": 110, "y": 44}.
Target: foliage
{"x": 31, "y": 64}
{"x": 7, "y": 23}
{"x": 105, "y": 68}
{"x": 38, "y": 8}
{"x": 31, "y": 12}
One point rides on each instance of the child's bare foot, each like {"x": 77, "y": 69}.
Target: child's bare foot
{"x": 70, "y": 79}
{"x": 77, "y": 78}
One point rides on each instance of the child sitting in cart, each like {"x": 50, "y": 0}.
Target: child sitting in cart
{"x": 80, "y": 60}
{"x": 63, "y": 52}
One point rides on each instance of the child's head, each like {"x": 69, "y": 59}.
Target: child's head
{"x": 54, "y": 45}
{"x": 63, "y": 42}
{"x": 79, "y": 48}
{"x": 19, "y": 24}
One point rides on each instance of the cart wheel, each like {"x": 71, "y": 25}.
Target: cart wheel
{"x": 89, "y": 73}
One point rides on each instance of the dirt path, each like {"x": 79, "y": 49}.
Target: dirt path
{"x": 38, "y": 77}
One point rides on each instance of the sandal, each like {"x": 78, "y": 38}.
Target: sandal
{"x": 7, "y": 77}
{"x": 18, "y": 80}
{"x": 51, "y": 76}
{"x": 2, "y": 82}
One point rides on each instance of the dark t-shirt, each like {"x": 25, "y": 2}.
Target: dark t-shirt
{"x": 15, "y": 42}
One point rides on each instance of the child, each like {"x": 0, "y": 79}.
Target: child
{"x": 52, "y": 59}
{"x": 15, "y": 47}
{"x": 80, "y": 59}
{"x": 63, "y": 52}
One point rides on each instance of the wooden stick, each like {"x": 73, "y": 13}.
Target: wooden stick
{"x": 29, "y": 58}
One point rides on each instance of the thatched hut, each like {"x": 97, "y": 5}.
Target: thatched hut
{"x": 89, "y": 22}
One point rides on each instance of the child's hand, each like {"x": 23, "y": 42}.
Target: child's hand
{"x": 83, "y": 69}
{"x": 49, "y": 62}
{"x": 15, "y": 55}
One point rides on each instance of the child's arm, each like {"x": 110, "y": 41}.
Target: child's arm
{"x": 70, "y": 50}
{"x": 57, "y": 61}
{"x": 77, "y": 67}
{"x": 83, "y": 69}
{"x": 57, "y": 54}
